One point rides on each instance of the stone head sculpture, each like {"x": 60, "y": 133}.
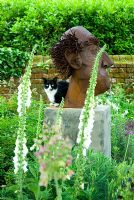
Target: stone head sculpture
{"x": 74, "y": 56}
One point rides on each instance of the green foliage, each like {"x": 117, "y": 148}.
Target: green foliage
{"x": 122, "y": 113}
{"x": 26, "y": 23}
{"x": 121, "y": 185}
{"x": 99, "y": 171}
{"x": 8, "y": 125}
{"x": 31, "y": 188}
{"x": 104, "y": 178}
{"x": 12, "y": 62}
{"x": 42, "y": 22}
{"x": 8, "y": 128}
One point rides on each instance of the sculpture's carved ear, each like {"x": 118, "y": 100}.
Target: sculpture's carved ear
{"x": 74, "y": 59}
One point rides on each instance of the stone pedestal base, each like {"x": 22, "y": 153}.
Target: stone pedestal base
{"x": 101, "y": 135}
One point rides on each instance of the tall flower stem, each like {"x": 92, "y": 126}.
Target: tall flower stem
{"x": 127, "y": 147}
{"x": 87, "y": 110}
{"x": 24, "y": 100}
{"x": 86, "y": 125}
{"x": 20, "y": 184}
{"x": 59, "y": 114}
{"x": 58, "y": 189}
{"x": 39, "y": 135}
{"x": 54, "y": 155}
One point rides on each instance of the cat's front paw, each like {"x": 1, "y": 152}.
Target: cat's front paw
{"x": 51, "y": 104}
{"x": 56, "y": 104}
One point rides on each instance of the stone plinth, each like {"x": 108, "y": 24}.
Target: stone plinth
{"x": 101, "y": 135}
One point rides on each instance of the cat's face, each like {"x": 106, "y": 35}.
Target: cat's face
{"x": 50, "y": 84}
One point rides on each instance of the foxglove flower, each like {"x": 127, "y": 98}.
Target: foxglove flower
{"x": 24, "y": 100}
{"x": 85, "y": 126}
{"x": 20, "y": 155}
{"x": 87, "y": 113}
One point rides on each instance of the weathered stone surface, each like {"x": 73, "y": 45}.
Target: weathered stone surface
{"x": 101, "y": 135}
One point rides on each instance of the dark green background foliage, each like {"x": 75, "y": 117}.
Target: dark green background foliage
{"x": 12, "y": 62}
{"x": 24, "y": 23}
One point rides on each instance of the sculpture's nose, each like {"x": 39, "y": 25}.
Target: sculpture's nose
{"x": 106, "y": 60}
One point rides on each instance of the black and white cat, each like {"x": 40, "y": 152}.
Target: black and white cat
{"x": 55, "y": 90}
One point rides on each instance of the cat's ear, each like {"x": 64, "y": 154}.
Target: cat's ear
{"x": 74, "y": 59}
{"x": 55, "y": 79}
{"x": 45, "y": 80}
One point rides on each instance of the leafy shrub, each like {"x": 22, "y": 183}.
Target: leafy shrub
{"x": 9, "y": 12}
{"x": 99, "y": 171}
{"x": 8, "y": 125}
{"x": 42, "y": 22}
{"x": 12, "y": 62}
{"x": 8, "y": 128}
{"x": 121, "y": 114}
{"x": 104, "y": 178}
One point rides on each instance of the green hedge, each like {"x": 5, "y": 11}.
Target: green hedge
{"x": 24, "y": 23}
{"x": 12, "y": 62}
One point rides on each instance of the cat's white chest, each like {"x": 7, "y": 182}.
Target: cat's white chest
{"x": 51, "y": 93}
